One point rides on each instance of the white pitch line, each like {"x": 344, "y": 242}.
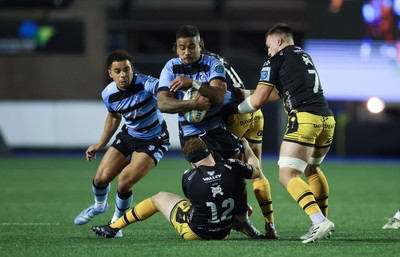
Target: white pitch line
{"x": 28, "y": 224}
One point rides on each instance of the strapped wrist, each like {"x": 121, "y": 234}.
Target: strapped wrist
{"x": 246, "y": 107}
{"x": 246, "y": 93}
{"x": 196, "y": 84}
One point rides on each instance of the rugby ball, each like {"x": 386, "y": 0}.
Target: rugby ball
{"x": 193, "y": 116}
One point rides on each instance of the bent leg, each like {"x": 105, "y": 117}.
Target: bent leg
{"x": 140, "y": 165}
{"x": 165, "y": 202}
{"x": 317, "y": 180}
{"x": 292, "y": 163}
{"x": 112, "y": 163}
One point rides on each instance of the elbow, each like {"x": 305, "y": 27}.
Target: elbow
{"x": 162, "y": 107}
{"x": 218, "y": 99}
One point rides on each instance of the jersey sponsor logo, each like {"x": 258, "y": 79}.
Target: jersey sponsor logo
{"x": 325, "y": 126}
{"x": 212, "y": 178}
{"x": 216, "y": 190}
{"x": 219, "y": 68}
{"x": 250, "y": 120}
{"x": 265, "y": 73}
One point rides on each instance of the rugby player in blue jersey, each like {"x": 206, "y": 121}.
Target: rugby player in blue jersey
{"x": 137, "y": 148}
{"x": 205, "y": 72}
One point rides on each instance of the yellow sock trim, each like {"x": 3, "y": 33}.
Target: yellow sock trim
{"x": 262, "y": 191}
{"x": 301, "y": 193}
{"x": 141, "y": 211}
{"x": 320, "y": 188}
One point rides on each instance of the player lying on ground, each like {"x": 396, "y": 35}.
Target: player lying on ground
{"x": 214, "y": 203}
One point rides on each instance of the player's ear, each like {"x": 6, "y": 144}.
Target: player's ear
{"x": 202, "y": 46}
{"x": 279, "y": 40}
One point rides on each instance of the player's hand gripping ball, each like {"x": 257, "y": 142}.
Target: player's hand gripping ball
{"x": 194, "y": 116}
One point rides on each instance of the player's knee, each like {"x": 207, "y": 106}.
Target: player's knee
{"x": 313, "y": 165}
{"x": 159, "y": 198}
{"x": 161, "y": 195}
{"x": 102, "y": 180}
{"x": 125, "y": 182}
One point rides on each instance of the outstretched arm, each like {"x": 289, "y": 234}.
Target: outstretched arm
{"x": 256, "y": 100}
{"x": 111, "y": 125}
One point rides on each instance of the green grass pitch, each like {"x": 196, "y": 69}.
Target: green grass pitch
{"x": 40, "y": 197}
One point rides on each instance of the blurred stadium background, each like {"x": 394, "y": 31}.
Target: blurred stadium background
{"x": 52, "y": 63}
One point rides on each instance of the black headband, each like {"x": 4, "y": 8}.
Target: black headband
{"x": 197, "y": 156}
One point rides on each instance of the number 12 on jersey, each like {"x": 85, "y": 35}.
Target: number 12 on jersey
{"x": 228, "y": 205}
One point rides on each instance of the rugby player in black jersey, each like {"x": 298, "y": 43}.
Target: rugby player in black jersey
{"x": 249, "y": 126}
{"x": 310, "y": 128}
{"x": 214, "y": 194}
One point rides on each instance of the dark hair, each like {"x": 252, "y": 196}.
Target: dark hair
{"x": 195, "y": 149}
{"x": 282, "y": 29}
{"x": 118, "y": 56}
{"x": 187, "y": 31}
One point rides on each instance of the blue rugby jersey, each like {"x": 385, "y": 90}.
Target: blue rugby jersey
{"x": 138, "y": 105}
{"x": 205, "y": 70}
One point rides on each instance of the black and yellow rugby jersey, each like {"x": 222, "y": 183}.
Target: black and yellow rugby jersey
{"x": 293, "y": 73}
